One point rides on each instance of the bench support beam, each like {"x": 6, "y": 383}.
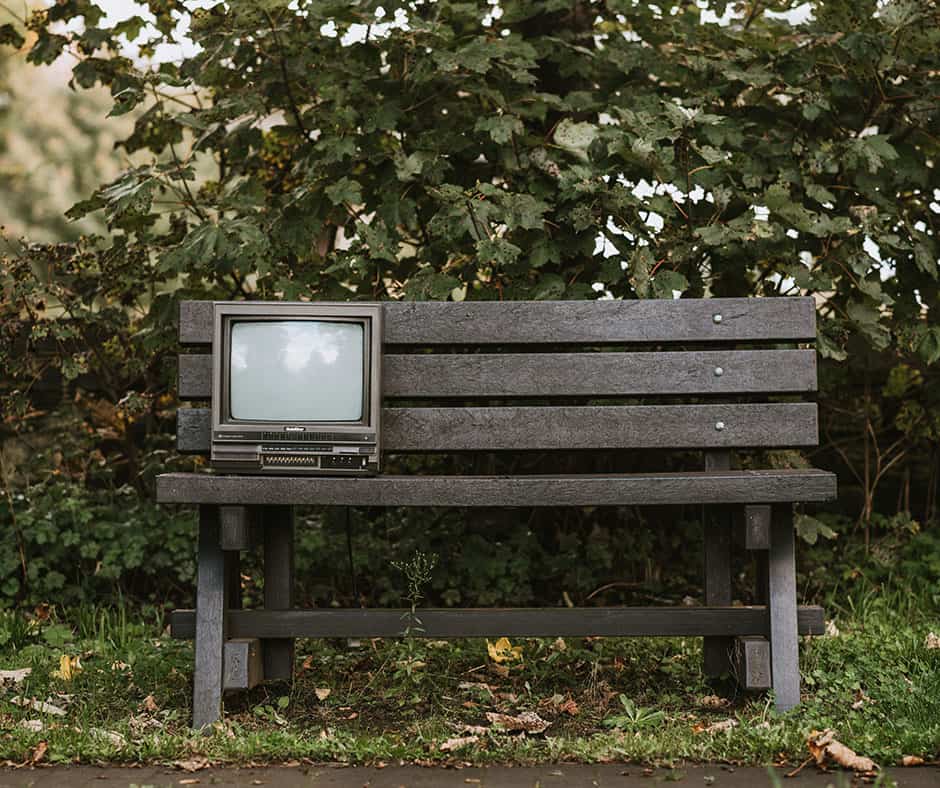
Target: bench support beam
{"x": 513, "y": 622}
{"x": 717, "y": 651}
{"x": 784, "y": 639}
{"x": 278, "y": 586}
{"x": 210, "y": 621}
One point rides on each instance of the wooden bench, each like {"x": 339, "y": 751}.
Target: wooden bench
{"x": 711, "y": 365}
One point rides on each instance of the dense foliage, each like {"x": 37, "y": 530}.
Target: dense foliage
{"x": 534, "y": 149}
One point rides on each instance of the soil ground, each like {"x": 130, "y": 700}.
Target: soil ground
{"x": 546, "y": 776}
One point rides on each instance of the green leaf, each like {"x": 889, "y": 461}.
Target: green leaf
{"x": 574, "y": 137}
{"x": 500, "y": 127}
{"x": 867, "y": 319}
{"x": 809, "y": 529}
{"x": 345, "y": 191}
{"x": 929, "y": 346}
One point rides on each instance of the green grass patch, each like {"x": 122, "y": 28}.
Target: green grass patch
{"x": 875, "y": 683}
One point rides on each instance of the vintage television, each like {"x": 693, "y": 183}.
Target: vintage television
{"x": 296, "y": 388}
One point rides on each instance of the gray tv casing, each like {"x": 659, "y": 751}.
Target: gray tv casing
{"x": 305, "y": 448}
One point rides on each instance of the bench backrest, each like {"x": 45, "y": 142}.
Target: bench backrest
{"x": 515, "y": 376}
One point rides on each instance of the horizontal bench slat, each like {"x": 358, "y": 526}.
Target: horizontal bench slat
{"x": 550, "y": 428}
{"x": 511, "y": 622}
{"x": 569, "y": 374}
{"x": 765, "y": 486}
{"x": 564, "y": 322}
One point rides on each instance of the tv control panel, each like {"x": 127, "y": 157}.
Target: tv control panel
{"x": 300, "y": 458}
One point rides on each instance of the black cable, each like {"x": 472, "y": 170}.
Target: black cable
{"x": 349, "y": 551}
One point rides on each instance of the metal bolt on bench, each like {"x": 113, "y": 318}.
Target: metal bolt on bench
{"x": 553, "y": 352}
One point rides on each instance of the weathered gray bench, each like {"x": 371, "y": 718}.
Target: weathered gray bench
{"x": 714, "y": 353}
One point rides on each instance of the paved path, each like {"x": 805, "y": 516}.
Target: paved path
{"x": 548, "y": 776}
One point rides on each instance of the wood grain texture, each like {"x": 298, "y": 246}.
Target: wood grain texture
{"x": 243, "y": 667}
{"x": 717, "y": 651}
{"x": 413, "y": 430}
{"x": 210, "y": 629}
{"x": 511, "y": 622}
{"x": 194, "y": 376}
{"x": 458, "y": 491}
{"x": 757, "y": 527}
{"x": 784, "y": 643}
{"x": 236, "y": 525}
{"x": 193, "y": 430}
{"x": 752, "y": 662}
{"x": 278, "y": 525}
{"x": 195, "y": 326}
{"x": 563, "y": 322}
{"x": 475, "y": 375}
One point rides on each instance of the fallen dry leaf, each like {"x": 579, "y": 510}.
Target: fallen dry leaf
{"x": 832, "y": 630}
{"x": 714, "y": 702}
{"x": 14, "y": 676}
{"x": 715, "y": 727}
{"x": 193, "y": 764}
{"x": 500, "y": 670}
{"x": 38, "y": 705}
{"x": 503, "y": 651}
{"x": 823, "y": 745}
{"x": 912, "y": 760}
{"x": 149, "y": 704}
{"x": 474, "y": 730}
{"x": 112, "y": 737}
{"x": 189, "y": 781}
{"x": 32, "y": 725}
{"x": 307, "y": 663}
{"x": 322, "y": 693}
{"x": 527, "y": 721}
{"x": 457, "y": 743}
{"x": 39, "y": 752}
{"x": 932, "y": 641}
{"x": 480, "y": 685}
{"x": 569, "y": 707}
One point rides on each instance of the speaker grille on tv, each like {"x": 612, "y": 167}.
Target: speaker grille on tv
{"x": 305, "y": 436}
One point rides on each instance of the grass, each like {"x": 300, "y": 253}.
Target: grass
{"x": 875, "y": 683}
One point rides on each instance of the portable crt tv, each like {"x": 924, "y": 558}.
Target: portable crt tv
{"x": 296, "y": 388}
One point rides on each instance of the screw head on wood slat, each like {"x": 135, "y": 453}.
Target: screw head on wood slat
{"x": 719, "y": 372}
{"x": 719, "y": 425}
{"x": 716, "y": 318}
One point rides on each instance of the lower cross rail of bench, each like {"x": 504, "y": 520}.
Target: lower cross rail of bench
{"x": 512, "y": 622}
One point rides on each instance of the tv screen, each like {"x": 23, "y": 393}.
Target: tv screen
{"x": 296, "y": 370}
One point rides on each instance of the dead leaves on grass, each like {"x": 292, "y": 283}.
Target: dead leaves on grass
{"x": 527, "y": 722}
{"x": 14, "y": 677}
{"x": 194, "y": 764}
{"x": 824, "y": 747}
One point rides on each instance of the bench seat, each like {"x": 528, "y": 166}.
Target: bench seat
{"x": 700, "y": 487}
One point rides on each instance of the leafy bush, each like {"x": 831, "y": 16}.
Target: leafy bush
{"x": 535, "y": 149}
{"x": 74, "y": 544}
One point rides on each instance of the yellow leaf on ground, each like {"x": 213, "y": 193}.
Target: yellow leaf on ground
{"x": 503, "y": 651}
{"x": 322, "y": 693}
{"x": 69, "y": 668}
{"x": 912, "y": 760}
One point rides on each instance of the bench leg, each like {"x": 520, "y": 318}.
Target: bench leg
{"x": 211, "y": 584}
{"x": 717, "y": 651}
{"x": 278, "y": 526}
{"x": 781, "y": 581}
